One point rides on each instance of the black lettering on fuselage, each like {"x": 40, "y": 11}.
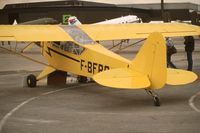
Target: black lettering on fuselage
{"x": 100, "y": 68}
{"x": 89, "y": 67}
{"x": 82, "y": 62}
{"x": 106, "y": 68}
{"x": 92, "y": 67}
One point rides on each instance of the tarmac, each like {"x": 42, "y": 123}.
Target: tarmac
{"x": 91, "y": 108}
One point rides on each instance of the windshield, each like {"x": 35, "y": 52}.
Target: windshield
{"x": 69, "y": 47}
{"x": 77, "y": 34}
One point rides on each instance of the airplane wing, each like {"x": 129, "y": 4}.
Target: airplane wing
{"x": 37, "y": 33}
{"x": 33, "y": 33}
{"x": 139, "y": 30}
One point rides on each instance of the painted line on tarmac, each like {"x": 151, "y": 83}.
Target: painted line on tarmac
{"x": 191, "y": 102}
{"x": 9, "y": 114}
{"x": 36, "y": 120}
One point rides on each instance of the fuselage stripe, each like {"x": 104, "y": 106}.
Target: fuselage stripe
{"x": 63, "y": 54}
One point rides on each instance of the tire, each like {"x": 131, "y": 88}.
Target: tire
{"x": 31, "y": 81}
{"x": 82, "y": 79}
{"x": 156, "y": 101}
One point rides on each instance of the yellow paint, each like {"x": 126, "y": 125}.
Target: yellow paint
{"x": 122, "y": 78}
{"x": 148, "y": 69}
{"x": 139, "y": 30}
{"x": 151, "y": 60}
{"x": 45, "y": 72}
{"x": 86, "y": 64}
{"x": 180, "y": 77}
{"x": 96, "y": 32}
{"x": 33, "y": 33}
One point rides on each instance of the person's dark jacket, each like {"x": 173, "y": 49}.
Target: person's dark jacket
{"x": 189, "y": 44}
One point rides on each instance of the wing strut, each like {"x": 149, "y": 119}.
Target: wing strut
{"x": 29, "y": 46}
{"x": 24, "y": 56}
{"x": 45, "y": 72}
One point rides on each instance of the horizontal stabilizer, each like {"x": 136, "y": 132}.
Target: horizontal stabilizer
{"x": 122, "y": 78}
{"x": 180, "y": 77}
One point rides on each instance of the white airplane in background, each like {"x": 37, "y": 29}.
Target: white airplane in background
{"x": 121, "y": 20}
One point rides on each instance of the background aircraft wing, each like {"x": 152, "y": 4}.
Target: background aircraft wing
{"x": 139, "y": 30}
{"x": 33, "y": 33}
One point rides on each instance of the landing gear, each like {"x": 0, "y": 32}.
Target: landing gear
{"x": 31, "y": 81}
{"x": 155, "y": 97}
{"x": 156, "y": 101}
{"x": 82, "y": 79}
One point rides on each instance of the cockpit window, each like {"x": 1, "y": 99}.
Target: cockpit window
{"x": 69, "y": 47}
{"x": 77, "y": 34}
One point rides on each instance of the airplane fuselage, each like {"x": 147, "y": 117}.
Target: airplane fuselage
{"x": 89, "y": 60}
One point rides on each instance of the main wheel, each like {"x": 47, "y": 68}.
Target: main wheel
{"x": 31, "y": 81}
{"x": 82, "y": 79}
{"x": 156, "y": 101}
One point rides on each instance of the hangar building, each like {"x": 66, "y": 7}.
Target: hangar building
{"x": 90, "y": 11}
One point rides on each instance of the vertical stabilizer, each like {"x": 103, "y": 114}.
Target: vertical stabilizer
{"x": 151, "y": 60}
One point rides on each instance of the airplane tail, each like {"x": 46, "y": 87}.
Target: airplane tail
{"x": 151, "y": 60}
{"x": 15, "y": 22}
{"x": 147, "y": 70}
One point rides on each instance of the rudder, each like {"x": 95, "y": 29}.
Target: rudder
{"x": 151, "y": 60}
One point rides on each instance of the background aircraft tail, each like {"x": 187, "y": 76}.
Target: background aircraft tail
{"x": 73, "y": 21}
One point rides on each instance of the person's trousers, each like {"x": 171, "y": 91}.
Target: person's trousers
{"x": 190, "y": 61}
{"x": 169, "y": 62}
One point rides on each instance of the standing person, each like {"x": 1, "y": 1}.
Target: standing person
{"x": 189, "y": 48}
{"x": 170, "y": 51}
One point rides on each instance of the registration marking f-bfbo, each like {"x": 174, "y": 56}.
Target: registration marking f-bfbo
{"x": 93, "y": 67}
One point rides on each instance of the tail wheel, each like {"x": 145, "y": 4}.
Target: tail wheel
{"x": 156, "y": 101}
{"x": 82, "y": 79}
{"x": 155, "y": 97}
{"x": 31, "y": 81}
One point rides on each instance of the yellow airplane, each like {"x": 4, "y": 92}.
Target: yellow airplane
{"x": 75, "y": 49}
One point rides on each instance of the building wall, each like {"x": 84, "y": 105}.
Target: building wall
{"x": 86, "y": 12}
{"x": 86, "y": 15}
